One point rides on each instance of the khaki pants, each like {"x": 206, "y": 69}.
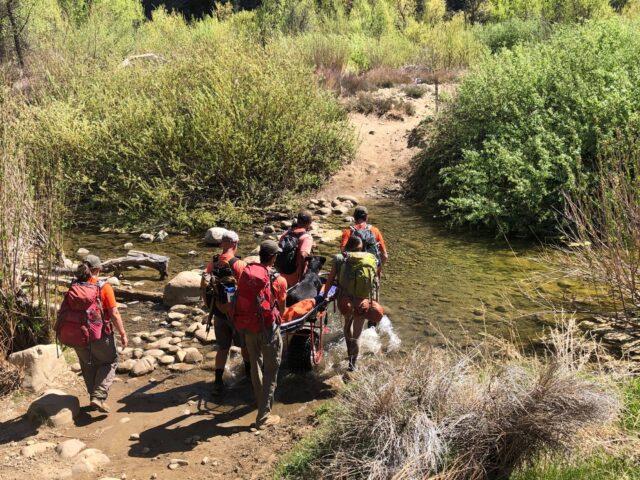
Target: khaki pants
{"x": 264, "y": 353}
{"x": 99, "y": 366}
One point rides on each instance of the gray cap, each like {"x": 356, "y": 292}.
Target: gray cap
{"x": 230, "y": 236}
{"x": 92, "y": 261}
{"x": 360, "y": 212}
{"x": 269, "y": 247}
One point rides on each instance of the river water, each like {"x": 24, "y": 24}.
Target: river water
{"x": 437, "y": 284}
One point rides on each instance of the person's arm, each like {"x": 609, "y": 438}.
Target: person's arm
{"x": 346, "y": 233}
{"x": 204, "y": 280}
{"x": 383, "y": 248}
{"x": 281, "y": 293}
{"x": 306, "y": 244}
{"x": 330, "y": 279}
{"x": 114, "y": 315}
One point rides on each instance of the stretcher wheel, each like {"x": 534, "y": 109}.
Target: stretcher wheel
{"x": 303, "y": 353}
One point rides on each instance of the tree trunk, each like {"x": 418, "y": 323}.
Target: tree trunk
{"x": 15, "y": 31}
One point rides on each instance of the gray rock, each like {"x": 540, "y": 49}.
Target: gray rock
{"x": 174, "y": 349}
{"x": 175, "y": 341}
{"x": 136, "y": 341}
{"x": 167, "y": 359}
{"x": 128, "y": 246}
{"x": 178, "y": 334}
{"x": 348, "y": 198}
{"x": 213, "y": 236}
{"x": 126, "y": 366}
{"x": 81, "y": 253}
{"x": 144, "y": 366}
{"x": 180, "y": 367}
{"x": 89, "y": 460}
{"x": 193, "y": 355}
{"x": 155, "y": 352}
{"x": 324, "y": 211}
{"x": 192, "y": 253}
{"x": 193, "y": 327}
{"x": 36, "y": 449}
{"x": 41, "y": 365}
{"x": 340, "y": 209}
{"x": 146, "y": 237}
{"x": 160, "y": 236}
{"x": 183, "y": 288}
{"x": 286, "y": 224}
{"x": 349, "y": 219}
{"x": 181, "y": 309}
{"x": 180, "y": 355}
{"x": 204, "y": 337}
{"x": 113, "y": 281}
{"x": 137, "y": 353}
{"x": 269, "y": 229}
{"x": 176, "y": 316}
{"x": 55, "y": 407}
{"x": 161, "y": 332}
{"x": 70, "y": 448}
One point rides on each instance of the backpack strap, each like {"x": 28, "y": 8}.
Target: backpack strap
{"x": 233, "y": 260}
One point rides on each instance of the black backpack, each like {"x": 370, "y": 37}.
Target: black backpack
{"x": 369, "y": 241}
{"x": 221, "y": 278}
{"x": 286, "y": 260}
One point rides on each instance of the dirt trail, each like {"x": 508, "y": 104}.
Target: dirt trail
{"x": 167, "y": 410}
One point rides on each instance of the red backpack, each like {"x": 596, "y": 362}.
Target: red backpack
{"x": 256, "y": 308}
{"x": 80, "y": 318}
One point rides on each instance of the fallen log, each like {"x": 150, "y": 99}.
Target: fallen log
{"x": 135, "y": 259}
{"x": 138, "y": 259}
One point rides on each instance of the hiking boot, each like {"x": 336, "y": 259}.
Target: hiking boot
{"x": 269, "y": 421}
{"x": 218, "y": 388}
{"x": 99, "y": 405}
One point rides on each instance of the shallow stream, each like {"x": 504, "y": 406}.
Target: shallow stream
{"x": 436, "y": 282}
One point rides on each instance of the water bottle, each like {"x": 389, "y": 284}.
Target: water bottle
{"x": 231, "y": 294}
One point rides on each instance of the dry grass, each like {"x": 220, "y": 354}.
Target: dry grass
{"x": 369, "y": 103}
{"x": 465, "y": 415}
{"x": 10, "y": 377}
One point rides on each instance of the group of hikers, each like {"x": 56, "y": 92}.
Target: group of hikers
{"x": 246, "y": 304}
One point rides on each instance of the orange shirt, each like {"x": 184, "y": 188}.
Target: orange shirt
{"x": 359, "y": 226}
{"x": 305, "y": 245}
{"x": 238, "y": 266}
{"x": 279, "y": 287}
{"x": 107, "y": 295}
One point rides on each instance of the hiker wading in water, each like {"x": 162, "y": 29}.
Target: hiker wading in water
{"x": 354, "y": 271}
{"x": 296, "y": 245}
{"x": 218, "y": 288}
{"x": 86, "y": 321}
{"x": 260, "y": 302}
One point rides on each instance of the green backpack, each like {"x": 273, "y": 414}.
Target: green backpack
{"x": 358, "y": 274}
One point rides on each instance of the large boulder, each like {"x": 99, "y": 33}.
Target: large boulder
{"x": 192, "y": 355}
{"x": 41, "y": 365}
{"x": 204, "y": 337}
{"x": 213, "y": 236}
{"x": 143, "y": 366}
{"x": 89, "y": 461}
{"x": 183, "y": 288}
{"x": 70, "y": 448}
{"x": 54, "y": 407}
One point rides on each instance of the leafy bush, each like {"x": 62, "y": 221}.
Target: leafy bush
{"x": 216, "y": 124}
{"x": 368, "y": 103}
{"x": 526, "y": 126}
{"x": 511, "y": 32}
{"x": 414, "y": 91}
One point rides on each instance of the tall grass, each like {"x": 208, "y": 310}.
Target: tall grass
{"x": 459, "y": 415}
{"x": 29, "y": 236}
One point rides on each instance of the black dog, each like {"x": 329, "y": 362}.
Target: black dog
{"x": 309, "y": 284}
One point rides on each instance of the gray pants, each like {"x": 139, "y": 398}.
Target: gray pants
{"x": 265, "y": 353}
{"x": 99, "y": 366}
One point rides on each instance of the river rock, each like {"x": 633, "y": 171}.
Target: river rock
{"x": 167, "y": 359}
{"x": 324, "y": 211}
{"x": 191, "y": 329}
{"x": 159, "y": 333}
{"x": 204, "y": 337}
{"x": 175, "y": 316}
{"x": 348, "y": 198}
{"x": 36, "y": 448}
{"x": 180, "y": 355}
{"x": 137, "y": 353}
{"x": 146, "y": 237}
{"x": 180, "y": 367}
{"x": 252, "y": 259}
{"x": 179, "y": 308}
{"x": 192, "y": 355}
{"x": 81, "y": 253}
{"x": 126, "y": 366}
{"x": 285, "y": 224}
{"x": 155, "y": 352}
{"x": 160, "y": 236}
{"x": 70, "y": 448}
{"x": 55, "y": 407}
{"x": 41, "y": 365}
{"x": 174, "y": 349}
{"x": 269, "y": 229}
{"x": 136, "y": 341}
{"x": 143, "y": 366}
{"x": 128, "y": 246}
{"x": 341, "y": 209}
{"x": 113, "y": 281}
{"x": 161, "y": 344}
{"x": 175, "y": 340}
{"x": 183, "y": 288}
{"x": 213, "y": 236}
{"x": 349, "y": 219}
{"x": 89, "y": 461}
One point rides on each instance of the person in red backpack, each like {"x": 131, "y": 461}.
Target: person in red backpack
{"x": 296, "y": 245}
{"x": 260, "y": 302}
{"x": 99, "y": 357}
{"x": 224, "y": 270}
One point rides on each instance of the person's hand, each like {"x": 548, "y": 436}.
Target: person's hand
{"x": 124, "y": 341}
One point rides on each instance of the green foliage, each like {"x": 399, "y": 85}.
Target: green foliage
{"x": 631, "y": 413}
{"x": 599, "y": 467}
{"x": 526, "y": 126}
{"x": 512, "y": 32}
{"x": 195, "y": 135}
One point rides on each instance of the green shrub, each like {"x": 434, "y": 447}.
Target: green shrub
{"x": 216, "y": 127}
{"x": 511, "y": 32}
{"x": 526, "y": 126}
{"x": 414, "y": 91}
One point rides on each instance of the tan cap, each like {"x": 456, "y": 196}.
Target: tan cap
{"x": 269, "y": 247}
